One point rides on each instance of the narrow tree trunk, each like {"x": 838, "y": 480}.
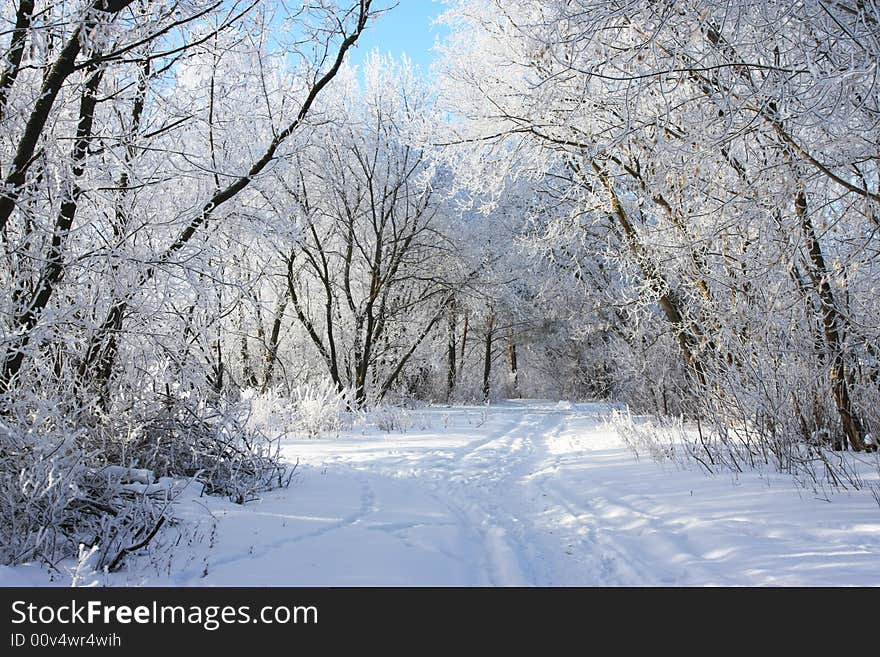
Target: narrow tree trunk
{"x": 361, "y": 369}
{"x": 451, "y": 349}
{"x": 329, "y": 359}
{"x": 487, "y": 356}
{"x": 33, "y": 306}
{"x": 464, "y": 336}
{"x": 511, "y": 363}
{"x": 272, "y": 345}
{"x": 16, "y": 50}
{"x": 831, "y": 323}
{"x": 687, "y": 332}
{"x": 386, "y": 386}
{"x": 219, "y": 366}
{"x": 248, "y": 376}
{"x": 96, "y": 367}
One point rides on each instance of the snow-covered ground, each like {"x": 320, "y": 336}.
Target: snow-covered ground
{"x": 521, "y": 493}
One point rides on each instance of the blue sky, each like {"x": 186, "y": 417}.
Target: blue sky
{"x": 405, "y": 29}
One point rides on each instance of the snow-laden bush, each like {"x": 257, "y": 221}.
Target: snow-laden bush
{"x": 391, "y": 419}
{"x": 56, "y": 492}
{"x": 105, "y": 481}
{"x": 815, "y": 465}
{"x": 41, "y": 475}
{"x": 311, "y": 410}
{"x": 658, "y": 440}
{"x": 269, "y": 412}
{"x": 321, "y": 408}
{"x": 214, "y": 445}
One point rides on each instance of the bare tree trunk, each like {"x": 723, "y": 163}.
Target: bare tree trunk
{"x": 96, "y": 367}
{"x": 386, "y": 386}
{"x": 831, "y": 323}
{"x": 329, "y": 359}
{"x": 248, "y": 375}
{"x": 16, "y": 49}
{"x": 219, "y": 366}
{"x": 511, "y": 363}
{"x": 464, "y": 336}
{"x": 31, "y": 307}
{"x": 451, "y": 348}
{"x": 687, "y": 332}
{"x": 487, "y": 356}
{"x": 272, "y": 345}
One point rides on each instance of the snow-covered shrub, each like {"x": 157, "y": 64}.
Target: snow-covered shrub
{"x": 55, "y": 493}
{"x": 719, "y": 447}
{"x": 213, "y": 445}
{"x": 41, "y": 472}
{"x": 656, "y": 439}
{"x": 270, "y": 413}
{"x": 321, "y": 408}
{"x": 106, "y": 480}
{"x": 389, "y": 418}
{"x": 312, "y": 409}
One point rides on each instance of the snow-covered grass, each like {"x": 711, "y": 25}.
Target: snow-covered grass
{"x": 519, "y": 493}
{"x": 311, "y": 410}
{"x": 815, "y": 466}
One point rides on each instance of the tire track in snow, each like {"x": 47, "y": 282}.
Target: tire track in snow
{"x": 534, "y": 494}
{"x": 614, "y": 541}
{"x": 478, "y": 485}
{"x": 520, "y": 522}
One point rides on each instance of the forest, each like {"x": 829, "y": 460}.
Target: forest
{"x": 207, "y": 210}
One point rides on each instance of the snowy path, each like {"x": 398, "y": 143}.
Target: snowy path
{"x": 530, "y": 493}
{"x": 524, "y": 493}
